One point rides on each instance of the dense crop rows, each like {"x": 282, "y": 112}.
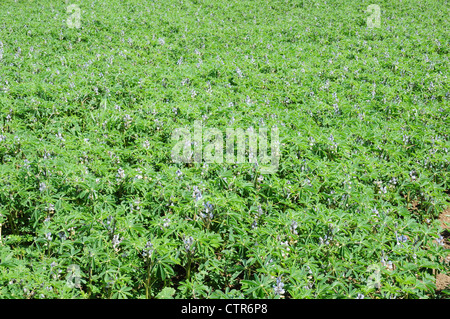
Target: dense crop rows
{"x": 92, "y": 205}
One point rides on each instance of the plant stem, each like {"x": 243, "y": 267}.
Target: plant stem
{"x": 90, "y": 278}
{"x": 188, "y": 275}
{"x": 147, "y": 285}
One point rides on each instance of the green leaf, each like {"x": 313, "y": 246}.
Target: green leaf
{"x": 166, "y": 293}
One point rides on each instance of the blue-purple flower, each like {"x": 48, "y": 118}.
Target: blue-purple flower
{"x": 278, "y": 288}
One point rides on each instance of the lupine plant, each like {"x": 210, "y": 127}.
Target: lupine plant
{"x": 90, "y": 94}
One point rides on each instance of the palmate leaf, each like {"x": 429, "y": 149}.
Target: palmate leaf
{"x": 137, "y": 229}
{"x": 7, "y": 260}
{"x": 163, "y": 267}
{"x": 166, "y": 293}
{"x": 258, "y": 287}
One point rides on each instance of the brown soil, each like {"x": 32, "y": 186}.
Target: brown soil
{"x": 443, "y": 279}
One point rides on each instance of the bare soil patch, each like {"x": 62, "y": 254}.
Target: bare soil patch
{"x": 443, "y": 279}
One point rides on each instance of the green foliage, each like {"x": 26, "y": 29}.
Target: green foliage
{"x": 92, "y": 205}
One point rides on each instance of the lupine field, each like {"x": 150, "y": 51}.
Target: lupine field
{"x": 92, "y": 204}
